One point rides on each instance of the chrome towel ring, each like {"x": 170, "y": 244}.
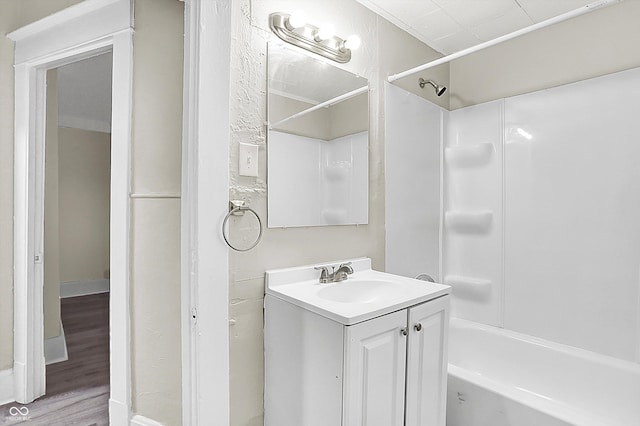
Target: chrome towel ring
{"x": 238, "y": 207}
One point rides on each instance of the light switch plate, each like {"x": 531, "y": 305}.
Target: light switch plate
{"x": 248, "y": 160}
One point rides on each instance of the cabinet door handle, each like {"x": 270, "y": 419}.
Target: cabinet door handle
{"x": 403, "y": 331}
{"x": 417, "y": 327}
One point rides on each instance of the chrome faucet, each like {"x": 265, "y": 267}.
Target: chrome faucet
{"x": 336, "y": 275}
{"x": 342, "y": 272}
{"x": 325, "y": 275}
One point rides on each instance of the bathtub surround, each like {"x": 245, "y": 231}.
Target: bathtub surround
{"x": 539, "y": 212}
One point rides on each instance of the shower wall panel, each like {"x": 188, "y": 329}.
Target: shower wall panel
{"x": 472, "y": 247}
{"x": 572, "y": 226}
{"x": 413, "y": 128}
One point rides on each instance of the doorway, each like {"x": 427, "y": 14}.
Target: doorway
{"x": 76, "y": 240}
{"x": 83, "y": 31}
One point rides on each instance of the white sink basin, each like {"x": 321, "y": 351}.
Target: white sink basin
{"x": 352, "y": 291}
{"x": 365, "y": 294}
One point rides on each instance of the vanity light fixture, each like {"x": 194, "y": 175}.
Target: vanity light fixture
{"x": 293, "y": 28}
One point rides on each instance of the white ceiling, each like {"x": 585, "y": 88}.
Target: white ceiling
{"x": 449, "y": 26}
{"x": 84, "y": 94}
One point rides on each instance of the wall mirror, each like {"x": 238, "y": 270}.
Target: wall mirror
{"x": 317, "y": 142}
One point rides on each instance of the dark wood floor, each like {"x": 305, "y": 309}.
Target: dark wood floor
{"x": 77, "y": 389}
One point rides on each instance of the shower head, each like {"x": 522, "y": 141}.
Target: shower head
{"x": 439, "y": 89}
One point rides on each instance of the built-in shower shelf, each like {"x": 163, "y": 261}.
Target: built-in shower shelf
{"x": 469, "y": 155}
{"x": 469, "y": 287}
{"x": 338, "y": 171}
{"x": 468, "y": 221}
{"x": 334, "y": 215}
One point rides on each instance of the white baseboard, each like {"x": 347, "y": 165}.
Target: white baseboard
{"x": 83, "y": 288}
{"x": 118, "y": 411}
{"x": 55, "y": 348}
{"x": 6, "y": 386}
{"x": 139, "y": 420}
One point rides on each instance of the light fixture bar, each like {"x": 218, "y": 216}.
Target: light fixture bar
{"x": 306, "y": 37}
{"x": 330, "y": 102}
{"x": 571, "y": 14}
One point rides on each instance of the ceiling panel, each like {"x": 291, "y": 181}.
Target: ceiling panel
{"x": 539, "y": 10}
{"x": 468, "y": 13}
{"x": 449, "y": 26}
{"x": 455, "y": 42}
{"x": 501, "y": 25}
{"x": 434, "y": 25}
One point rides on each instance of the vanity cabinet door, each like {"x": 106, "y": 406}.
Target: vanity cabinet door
{"x": 375, "y": 357}
{"x": 427, "y": 363}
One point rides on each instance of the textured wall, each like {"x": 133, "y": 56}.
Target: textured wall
{"x": 385, "y": 49}
{"x": 591, "y": 45}
{"x": 155, "y": 222}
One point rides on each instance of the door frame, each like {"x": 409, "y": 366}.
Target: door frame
{"x": 89, "y": 28}
{"x": 205, "y": 195}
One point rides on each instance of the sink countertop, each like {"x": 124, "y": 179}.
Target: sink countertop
{"x": 300, "y": 286}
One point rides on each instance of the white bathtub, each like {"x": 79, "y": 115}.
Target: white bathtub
{"x": 502, "y": 378}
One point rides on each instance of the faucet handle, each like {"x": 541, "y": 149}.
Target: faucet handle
{"x": 347, "y": 267}
{"x": 324, "y": 273}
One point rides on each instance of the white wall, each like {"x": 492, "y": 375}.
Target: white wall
{"x": 591, "y": 45}
{"x": 413, "y": 131}
{"x": 84, "y": 202}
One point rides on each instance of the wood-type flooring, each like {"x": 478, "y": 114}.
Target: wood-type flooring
{"x": 77, "y": 389}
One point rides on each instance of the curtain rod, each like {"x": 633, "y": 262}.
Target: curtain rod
{"x": 571, "y": 14}
{"x": 330, "y": 102}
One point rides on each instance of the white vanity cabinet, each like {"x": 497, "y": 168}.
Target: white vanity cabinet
{"x": 386, "y": 371}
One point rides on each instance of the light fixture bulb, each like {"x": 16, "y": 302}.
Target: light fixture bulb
{"x": 298, "y": 19}
{"x": 353, "y": 42}
{"x": 325, "y": 32}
